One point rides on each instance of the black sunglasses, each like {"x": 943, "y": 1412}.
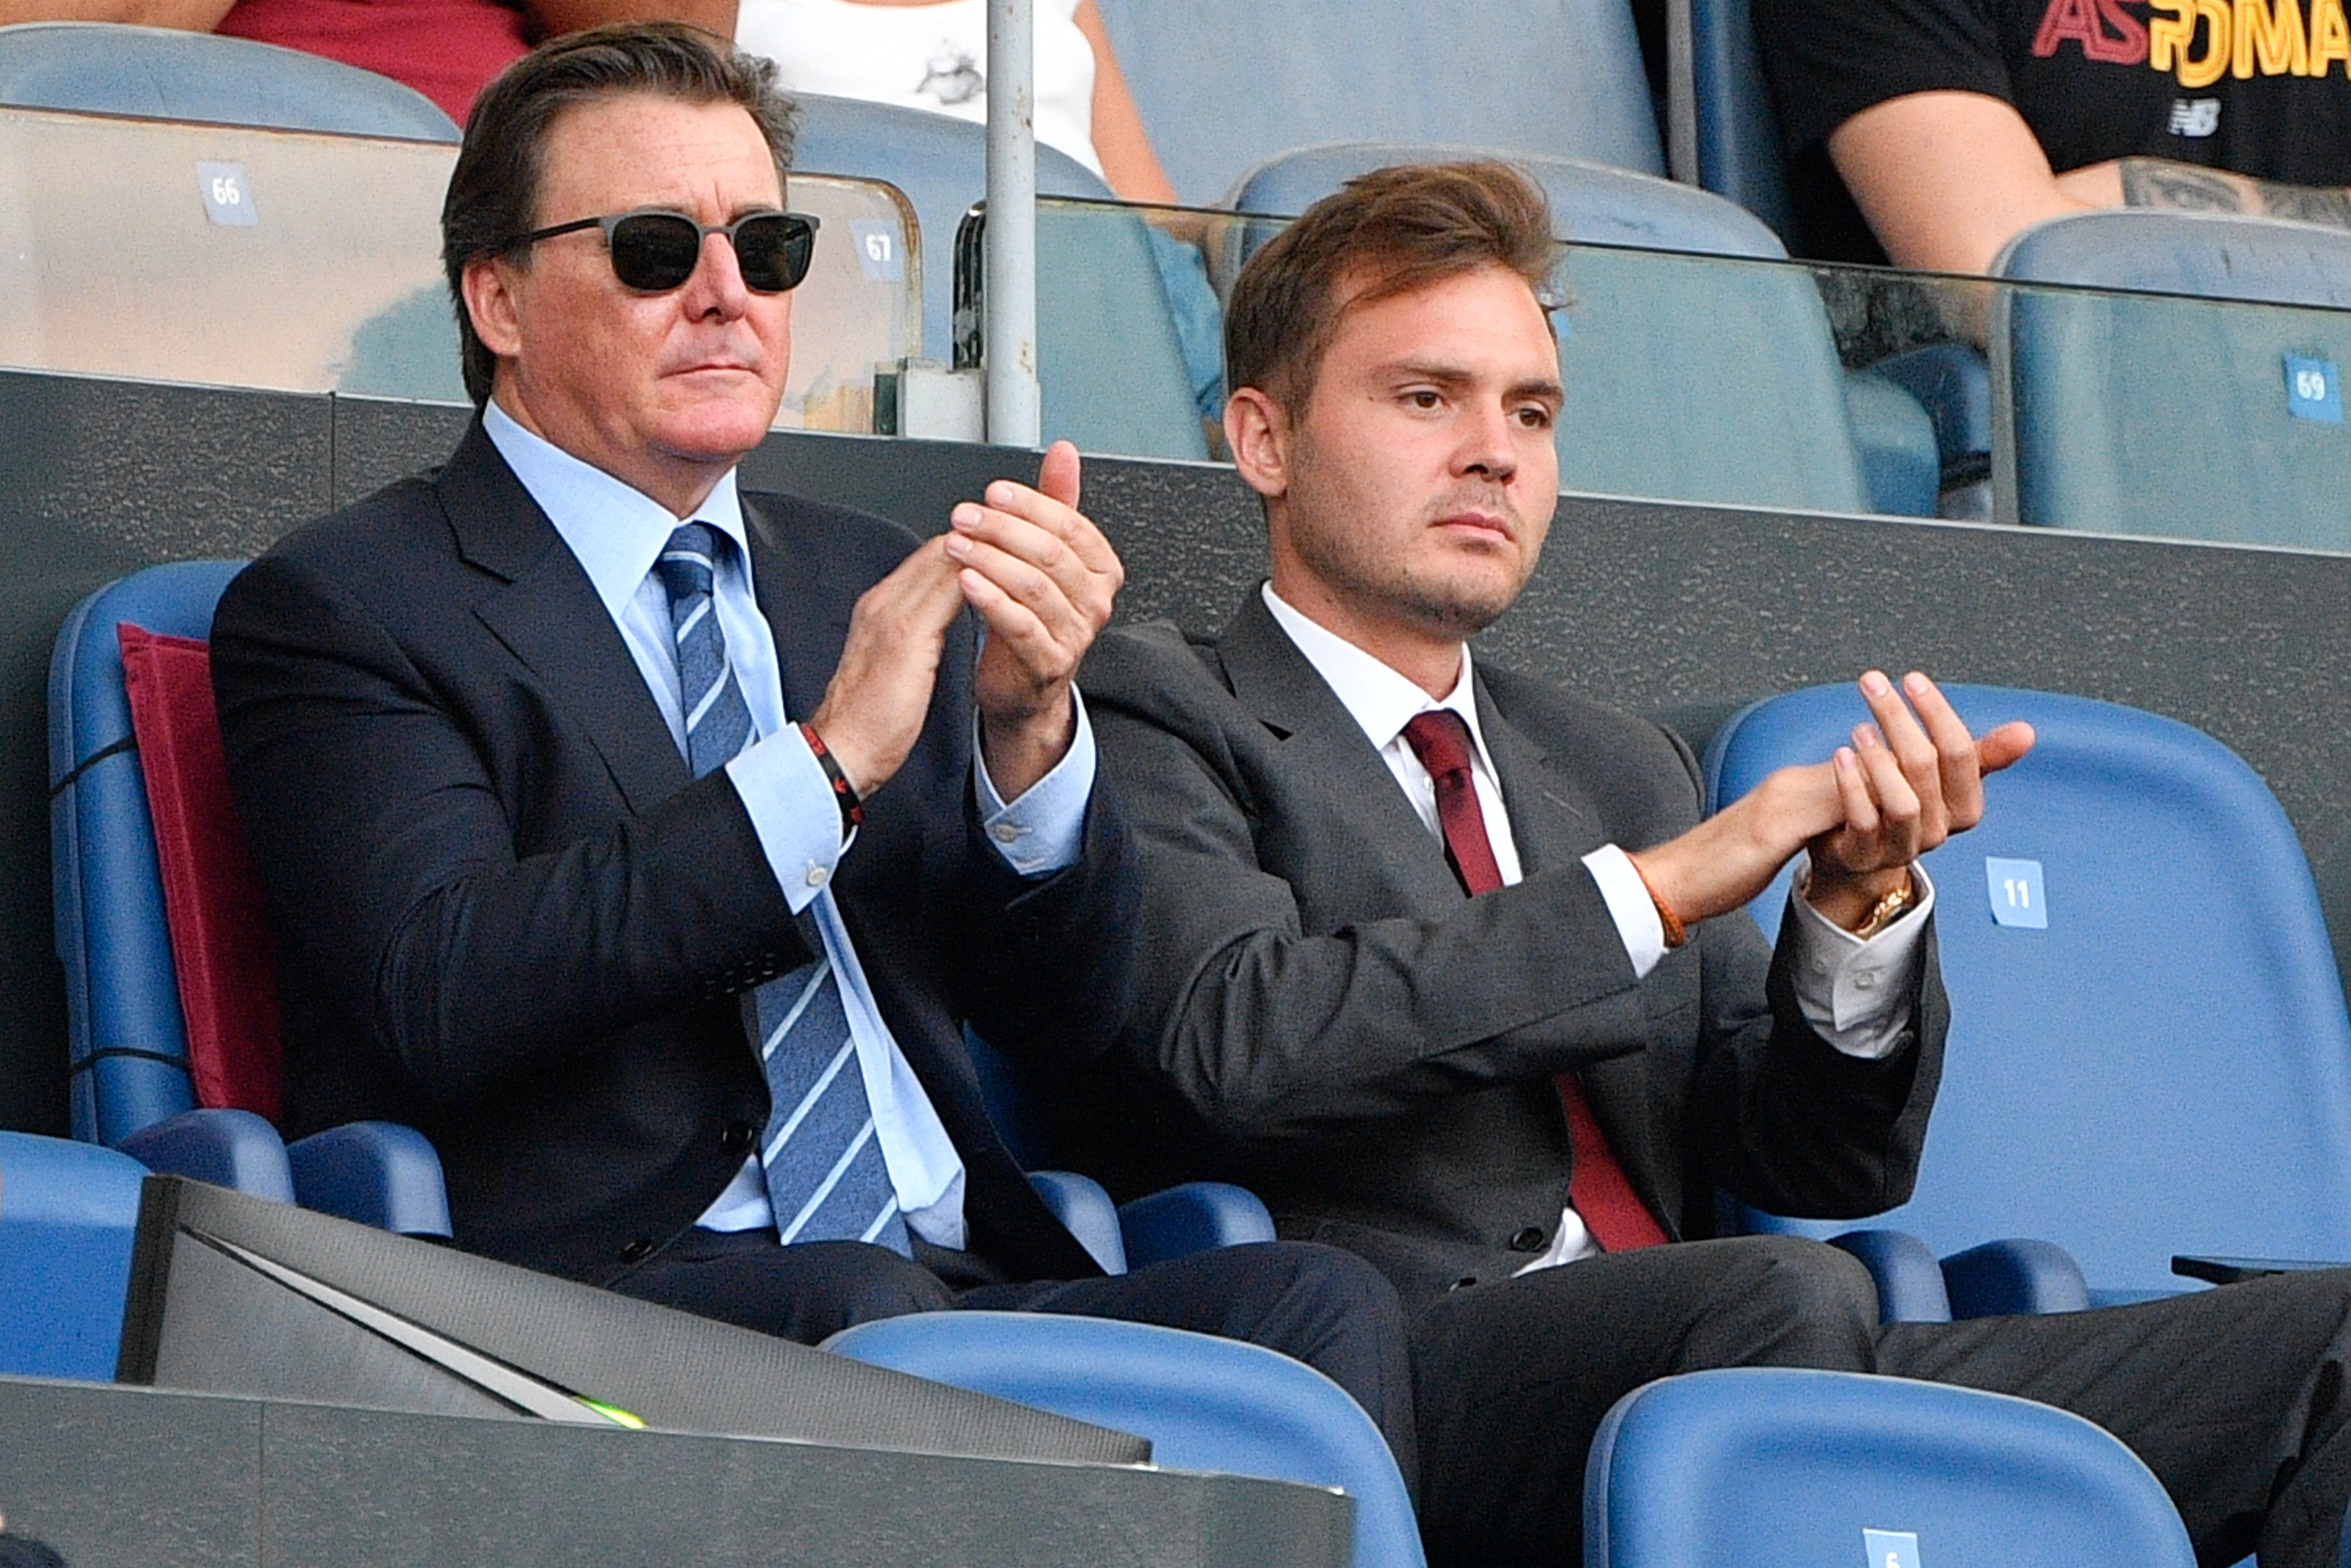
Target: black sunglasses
{"x": 657, "y": 251}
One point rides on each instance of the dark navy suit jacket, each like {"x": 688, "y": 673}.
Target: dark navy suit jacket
{"x": 508, "y": 915}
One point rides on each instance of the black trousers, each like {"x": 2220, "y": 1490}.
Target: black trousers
{"x": 1316, "y": 1305}
{"x": 2234, "y": 1397}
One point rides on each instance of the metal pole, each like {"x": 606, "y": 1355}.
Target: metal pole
{"x": 1015, "y": 412}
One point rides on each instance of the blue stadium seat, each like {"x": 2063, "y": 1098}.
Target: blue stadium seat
{"x": 1591, "y": 203}
{"x": 1190, "y": 1217}
{"x": 1206, "y": 1403}
{"x": 2150, "y": 1053}
{"x": 131, "y": 1084}
{"x": 1110, "y": 362}
{"x": 68, "y": 1215}
{"x": 164, "y": 73}
{"x": 1997, "y": 1279}
{"x": 1688, "y": 380}
{"x": 1780, "y": 1467}
{"x": 2187, "y": 416}
{"x": 1739, "y": 149}
{"x": 1225, "y": 84}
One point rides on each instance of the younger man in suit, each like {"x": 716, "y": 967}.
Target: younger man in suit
{"x": 670, "y": 979}
{"x": 1428, "y": 957}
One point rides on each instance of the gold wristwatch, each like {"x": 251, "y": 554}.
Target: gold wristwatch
{"x": 1889, "y": 909}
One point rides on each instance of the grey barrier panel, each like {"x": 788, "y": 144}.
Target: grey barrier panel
{"x": 1655, "y": 607}
{"x": 124, "y": 1477}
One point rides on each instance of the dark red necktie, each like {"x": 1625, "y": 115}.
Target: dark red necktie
{"x": 1611, "y": 1211}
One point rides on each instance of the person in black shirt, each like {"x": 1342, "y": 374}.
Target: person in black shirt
{"x": 1955, "y": 124}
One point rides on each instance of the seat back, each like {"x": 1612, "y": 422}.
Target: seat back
{"x": 1206, "y": 1403}
{"x": 1739, "y": 150}
{"x": 1223, "y": 85}
{"x": 164, "y": 73}
{"x": 1703, "y": 379}
{"x": 2156, "y": 412}
{"x": 2149, "y": 1052}
{"x": 1781, "y": 1468}
{"x": 1688, "y": 377}
{"x": 68, "y": 1216}
{"x": 127, "y": 1031}
{"x": 1591, "y": 203}
{"x": 940, "y": 164}
{"x": 1110, "y": 366}
{"x": 231, "y": 223}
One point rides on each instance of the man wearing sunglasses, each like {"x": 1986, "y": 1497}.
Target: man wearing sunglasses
{"x": 648, "y": 846}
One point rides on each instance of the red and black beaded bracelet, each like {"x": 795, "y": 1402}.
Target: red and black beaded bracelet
{"x": 853, "y": 810}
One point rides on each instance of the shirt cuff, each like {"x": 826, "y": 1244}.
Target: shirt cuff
{"x": 1856, "y": 994}
{"x": 793, "y": 811}
{"x": 1040, "y": 833}
{"x": 1630, "y": 906}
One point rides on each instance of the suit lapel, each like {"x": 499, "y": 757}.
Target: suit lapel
{"x": 1552, "y": 821}
{"x": 1326, "y": 751}
{"x": 807, "y": 612}
{"x": 548, "y": 615}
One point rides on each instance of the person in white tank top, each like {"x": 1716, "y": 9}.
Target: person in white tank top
{"x": 933, "y": 55}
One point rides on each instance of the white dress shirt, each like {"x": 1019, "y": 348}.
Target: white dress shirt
{"x": 1856, "y": 993}
{"x": 617, "y": 533}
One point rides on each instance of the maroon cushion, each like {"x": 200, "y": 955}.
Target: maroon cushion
{"x": 219, "y": 916}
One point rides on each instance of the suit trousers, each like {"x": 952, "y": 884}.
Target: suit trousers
{"x": 2232, "y": 1396}
{"x": 1318, "y": 1304}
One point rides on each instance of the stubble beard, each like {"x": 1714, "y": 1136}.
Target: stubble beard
{"x": 1451, "y": 609}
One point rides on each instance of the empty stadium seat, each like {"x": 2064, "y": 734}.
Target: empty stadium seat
{"x": 1206, "y": 1403}
{"x": 1591, "y": 203}
{"x": 2201, "y": 417}
{"x": 1224, "y": 84}
{"x": 68, "y": 1215}
{"x": 940, "y": 164}
{"x": 1110, "y": 365}
{"x": 311, "y": 263}
{"x": 157, "y": 964}
{"x": 1688, "y": 380}
{"x": 2150, "y": 1053}
{"x": 1781, "y": 1468}
{"x": 166, "y": 73}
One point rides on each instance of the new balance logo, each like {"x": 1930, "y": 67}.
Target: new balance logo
{"x": 2196, "y": 117}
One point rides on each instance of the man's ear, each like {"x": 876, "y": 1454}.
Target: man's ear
{"x": 487, "y": 286}
{"x": 1257, "y": 430}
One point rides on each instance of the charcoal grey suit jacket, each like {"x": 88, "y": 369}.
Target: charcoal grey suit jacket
{"x": 1324, "y": 1015}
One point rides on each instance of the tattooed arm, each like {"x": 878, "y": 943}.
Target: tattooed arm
{"x": 2188, "y": 187}
{"x": 1946, "y": 179}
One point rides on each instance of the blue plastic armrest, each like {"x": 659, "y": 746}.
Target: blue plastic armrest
{"x": 377, "y": 1173}
{"x": 1086, "y": 1211}
{"x": 1191, "y": 1217}
{"x": 2001, "y": 1277}
{"x": 2236, "y": 1270}
{"x": 1909, "y": 1282}
{"x": 228, "y": 1148}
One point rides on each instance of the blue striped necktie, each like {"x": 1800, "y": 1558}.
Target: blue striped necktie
{"x": 826, "y": 1176}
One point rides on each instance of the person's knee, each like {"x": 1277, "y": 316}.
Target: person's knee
{"x": 863, "y": 1283}
{"x": 1815, "y": 1282}
{"x": 1790, "y": 1302}
{"x": 1346, "y": 1284}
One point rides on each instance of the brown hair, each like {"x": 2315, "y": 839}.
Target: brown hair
{"x": 494, "y": 190}
{"x": 1391, "y": 231}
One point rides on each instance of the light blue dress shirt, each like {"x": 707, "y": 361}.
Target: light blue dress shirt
{"x": 616, "y": 533}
